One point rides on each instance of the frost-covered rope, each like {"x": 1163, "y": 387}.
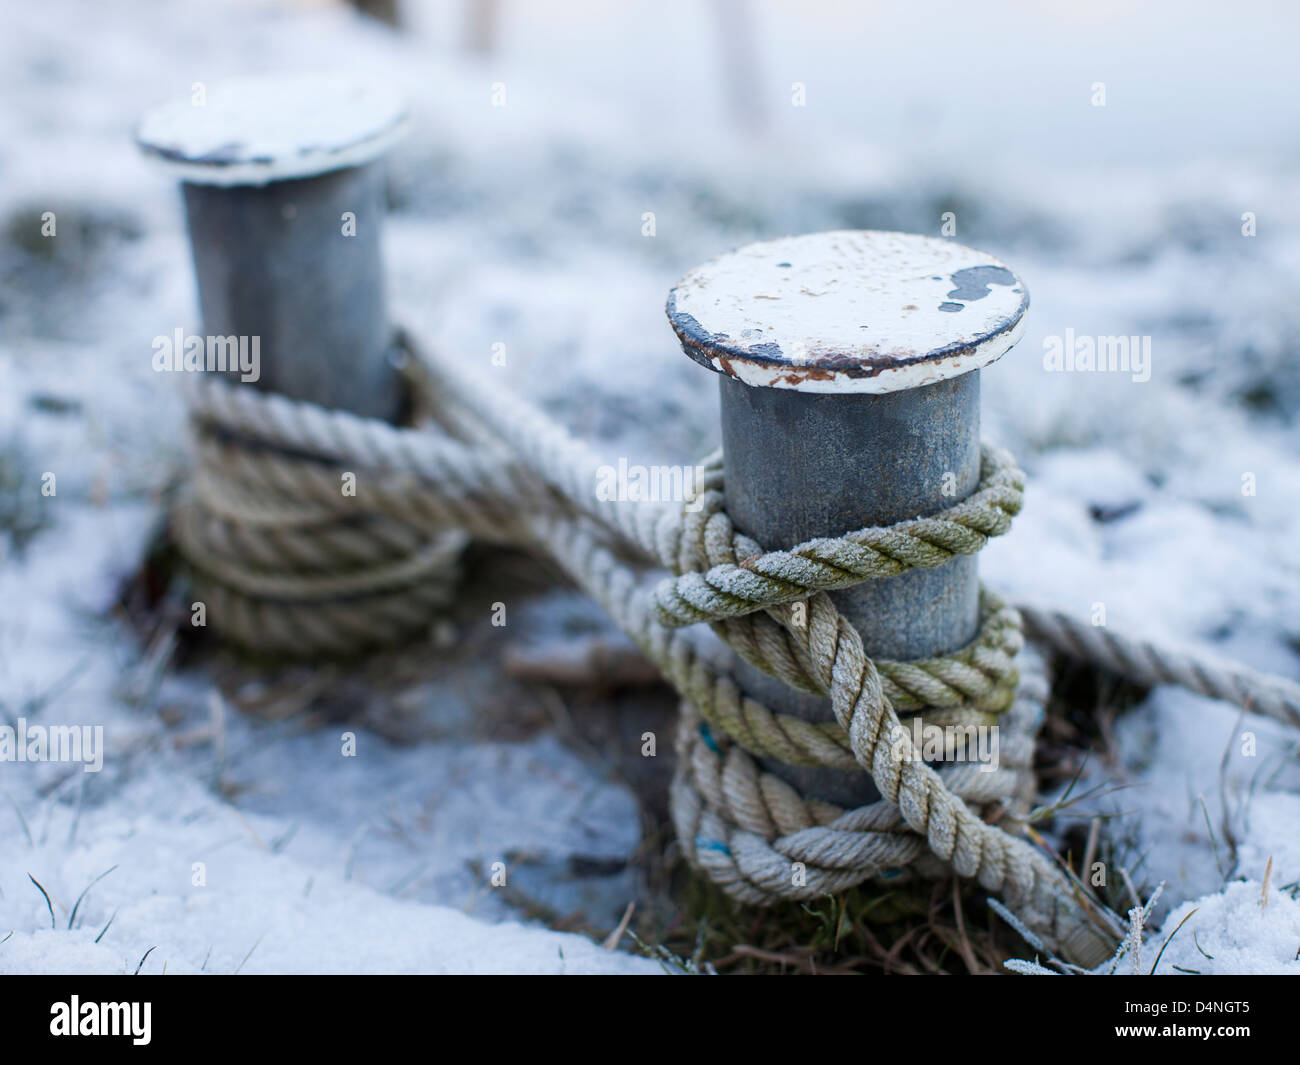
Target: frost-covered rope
{"x": 316, "y": 531}
{"x": 1149, "y": 663}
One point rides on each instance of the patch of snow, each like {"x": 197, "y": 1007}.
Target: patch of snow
{"x": 1202, "y": 792}
{"x": 257, "y": 909}
{"x": 1241, "y": 930}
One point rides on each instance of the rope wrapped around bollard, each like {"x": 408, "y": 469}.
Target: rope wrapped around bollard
{"x": 287, "y": 562}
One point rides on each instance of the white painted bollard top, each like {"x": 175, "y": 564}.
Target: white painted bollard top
{"x": 849, "y": 311}
{"x": 251, "y": 131}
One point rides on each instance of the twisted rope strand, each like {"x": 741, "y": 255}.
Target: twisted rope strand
{"x": 728, "y": 588}
{"x": 1149, "y": 663}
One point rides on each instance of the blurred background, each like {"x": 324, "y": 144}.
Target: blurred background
{"x": 1113, "y": 153}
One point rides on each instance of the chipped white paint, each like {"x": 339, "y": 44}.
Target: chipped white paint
{"x": 251, "y": 131}
{"x": 849, "y": 311}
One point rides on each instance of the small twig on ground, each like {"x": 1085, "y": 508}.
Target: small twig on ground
{"x": 76, "y": 905}
{"x": 46, "y": 895}
{"x": 1128, "y": 883}
{"x": 580, "y": 661}
{"x": 1090, "y": 848}
{"x": 1167, "y": 942}
{"x": 249, "y": 954}
{"x": 963, "y": 941}
{"x": 611, "y": 943}
{"x": 1214, "y": 843}
{"x": 106, "y": 927}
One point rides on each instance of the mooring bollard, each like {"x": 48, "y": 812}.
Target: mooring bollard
{"x": 850, "y": 398}
{"x": 284, "y": 195}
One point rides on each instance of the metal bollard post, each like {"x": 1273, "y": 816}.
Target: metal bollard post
{"x": 284, "y": 195}
{"x": 850, "y": 398}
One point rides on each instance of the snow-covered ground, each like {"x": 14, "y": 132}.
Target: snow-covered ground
{"x": 523, "y": 225}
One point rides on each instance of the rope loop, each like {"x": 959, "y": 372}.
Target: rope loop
{"x": 722, "y": 573}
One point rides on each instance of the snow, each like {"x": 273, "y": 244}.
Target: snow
{"x": 257, "y": 910}
{"x": 522, "y": 225}
{"x": 1271, "y": 837}
{"x": 1242, "y": 930}
{"x": 376, "y": 845}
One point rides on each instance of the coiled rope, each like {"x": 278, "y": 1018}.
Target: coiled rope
{"x": 289, "y": 561}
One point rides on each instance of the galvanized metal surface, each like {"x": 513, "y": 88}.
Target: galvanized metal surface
{"x": 250, "y": 131}
{"x": 271, "y": 262}
{"x": 292, "y": 260}
{"x": 801, "y": 465}
{"x": 849, "y": 312}
{"x": 868, "y": 432}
